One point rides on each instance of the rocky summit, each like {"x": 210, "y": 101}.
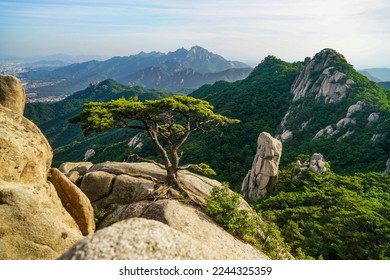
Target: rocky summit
{"x": 136, "y": 213}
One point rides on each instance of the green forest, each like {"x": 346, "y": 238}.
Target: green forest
{"x": 331, "y": 216}
{"x": 342, "y": 214}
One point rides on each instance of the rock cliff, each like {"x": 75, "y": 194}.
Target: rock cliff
{"x": 262, "y": 177}
{"x": 33, "y": 221}
{"x": 319, "y": 78}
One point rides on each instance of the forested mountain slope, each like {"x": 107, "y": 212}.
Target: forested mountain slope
{"x": 319, "y": 105}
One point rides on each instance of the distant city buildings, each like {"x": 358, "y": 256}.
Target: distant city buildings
{"x": 15, "y": 69}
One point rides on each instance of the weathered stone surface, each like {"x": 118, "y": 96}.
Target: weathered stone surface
{"x": 373, "y": 117}
{"x": 74, "y": 200}
{"x": 317, "y": 163}
{"x": 140, "y": 170}
{"x": 97, "y": 185}
{"x": 81, "y": 167}
{"x": 133, "y": 195}
{"x": 197, "y": 186}
{"x": 74, "y": 177}
{"x": 12, "y": 94}
{"x": 261, "y": 178}
{"x": 327, "y": 85}
{"x": 33, "y": 222}
{"x": 355, "y": 108}
{"x": 327, "y": 131}
{"x": 129, "y": 189}
{"x": 139, "y": 239}
{"x": 25, "y": 154}
{"x": 88, "y": 154}
{"x": 286, "y": 135}
{"x": 189, "y": 221}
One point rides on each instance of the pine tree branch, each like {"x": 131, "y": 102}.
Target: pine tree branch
{"x": 147, "y": 160}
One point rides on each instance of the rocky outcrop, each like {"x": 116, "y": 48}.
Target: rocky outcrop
{"x": 190, "y": 221}
{"x": 261, "y": 179}
{"x": 139, "y": 239}
{"x": 136, "y": 191}
{"x": 25, "y": 154}
{"x": 320, "y": 79}
{"x": 373, "y": 117}
{"x": 74, "y": 200}
{"x": 88, "y": 154}
{"x": 33, "y": 222}
{"x": 316, "y": 164}
{"x": 146, "y": 178}
{"x": 80, "y": 167}
{"x": 347, "y": 121}
{"x": 12, "y": 94}
{"x": 75, "y": 171}
{"x": 355, "y": 108}
{"x": 192, "y": 225}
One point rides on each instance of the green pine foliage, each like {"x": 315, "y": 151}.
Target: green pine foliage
{"x": 258, "y": 102}
{"x": 224, "y": 207}
{"x": 332, "y": 216}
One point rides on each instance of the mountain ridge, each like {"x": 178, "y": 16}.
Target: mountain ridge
{"x": 68, "y": 79}
{"x": 338, "y": 113}
{"x": 377, "y": 74}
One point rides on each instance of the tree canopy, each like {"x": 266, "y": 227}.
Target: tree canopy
{"x": 168, "y": 121}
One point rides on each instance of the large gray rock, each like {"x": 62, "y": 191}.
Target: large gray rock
{"x": 262, "y": 177}
{"x": 97, "y": 185}
{"x": 12, "y": 94}
{"x": 128, "y": 189}
{"x": 25, "y": 154}
{"x": 33, "y": 222}
{"x": 136, "y": 192}
{"x": 198, "y": 187}
{"x": 74, "y": 200}
{"x": 139, "y": 239}
{"x": 80, "y": 167}
{"x": 189, "y": 221}
{"x": 317, "y": 163}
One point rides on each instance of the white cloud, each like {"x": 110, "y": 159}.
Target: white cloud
{"x": 239, "y": 29}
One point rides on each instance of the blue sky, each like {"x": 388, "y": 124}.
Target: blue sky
{"x": 245, "y": 30}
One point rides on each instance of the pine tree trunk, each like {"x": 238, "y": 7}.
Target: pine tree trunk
{"x": 172, "y": 176}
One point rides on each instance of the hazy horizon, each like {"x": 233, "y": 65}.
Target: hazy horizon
{"x": 246, "y": 30}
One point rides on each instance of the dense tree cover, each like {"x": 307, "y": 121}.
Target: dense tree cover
{"x": 331, "y": 216}
{"x": 258, "y": 102}
{"x": 168, "y": 122}
{"x": 224, "y": 207}
{"x": 348, "y": 154}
